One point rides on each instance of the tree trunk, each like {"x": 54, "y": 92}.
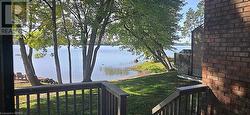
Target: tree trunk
{"x": 87, "y": 76}
{"x": 92, "y": 51}
{"x": 102, "y": 32}
{"x": 70, "y": 62}
{"x": 167, "y": 59}
{"x": 30, "y": 58}
{"x": 83, "y": 29}
{"x": 89, "y": 53}
{"x": 30, "y": 48}
{"x": 163, "y": 54}
{"x": 162, "y": 59}
{"x": 155, "y": 53}
{"x": 55, "y": 44}
{"x": 69, "y": 44}
{"x": 30, "y": 54}
{"x": 29, "y": 69}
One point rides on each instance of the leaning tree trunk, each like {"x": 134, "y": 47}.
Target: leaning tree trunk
{"x": 166, "y": 59}
{"x": 162, "y": 59}
{"x": 163, "y": 54}
{"x": 101, "y": 34}
{"x": 55, "y": 44}
{"x": 29, "y": 69}
{"x": 151, "y": 50}
{"x": 30, "y": 58}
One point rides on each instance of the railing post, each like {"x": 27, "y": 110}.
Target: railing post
{"x": 7, "y": 104}
{"x": 103, "y": 102}
{"x": 122, "y": 105}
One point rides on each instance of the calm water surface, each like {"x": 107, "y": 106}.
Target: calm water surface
{"x": 112, "y": 63}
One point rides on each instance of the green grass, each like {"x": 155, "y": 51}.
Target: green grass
{"x": 151, "y": 67}
{"x": 144, "y": 93}
{"x": 147, "y": 92}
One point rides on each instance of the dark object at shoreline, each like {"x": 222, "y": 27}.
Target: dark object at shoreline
{"x": 49, "y": 81}
{"x": 136, "y": 61}
{"x": 20, "y": 76}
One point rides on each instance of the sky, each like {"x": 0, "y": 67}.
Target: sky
{"x": 189, "y": 4}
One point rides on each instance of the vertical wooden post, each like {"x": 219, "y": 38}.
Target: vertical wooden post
{"x": 122, "y": 105}
{"x": 99, "y": 101}
{"x": 6, "y": 70}
{"x": 178, "y": 105}
{"x": 103, "y": 102}
{"x": 6, "y": 74}
{"x": 192, "y": 54}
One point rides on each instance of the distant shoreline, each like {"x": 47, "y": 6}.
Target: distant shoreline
{"x": 121, "y": 45}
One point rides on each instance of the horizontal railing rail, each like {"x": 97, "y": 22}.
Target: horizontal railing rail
{"x": 54, "y": 88}
{"x": 101, "y": 98}
{"x": 184, "y": 101}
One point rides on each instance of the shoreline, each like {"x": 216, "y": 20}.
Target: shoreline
{"x": 141, "y": 73}
{"x": 25, "y": 83}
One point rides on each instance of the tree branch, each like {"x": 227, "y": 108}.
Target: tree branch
{"x": 105, "y": 23}
{"x": 147, "y": 46}
{"x": 48, "y": 4}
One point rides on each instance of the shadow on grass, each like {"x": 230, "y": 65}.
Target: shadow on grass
{"x": 147, "y": 92}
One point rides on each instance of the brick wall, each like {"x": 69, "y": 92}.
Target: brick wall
{"x": 226, "y": 59}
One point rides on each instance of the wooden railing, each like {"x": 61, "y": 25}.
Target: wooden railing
{"x": 184, "y": 101}
{"x": 93, "y": 98}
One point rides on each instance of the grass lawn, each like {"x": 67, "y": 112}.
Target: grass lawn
{"x": 145, "y": 92}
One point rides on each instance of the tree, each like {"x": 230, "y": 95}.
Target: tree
{"x": 148, "y": 27}
{"x": 68, "y": 40}
{"x": 101, "y": 18}
{"x": 28, "y": 65}
{"x": 22, "y": 36}
{"x": 194, "y": 18}
{"x": 92, "y": 18}
{"x": 145, "y": 27}
{"x": 82, "y": 23}
{"x": 42, "y": 35}
{"x": 53, "y": 8}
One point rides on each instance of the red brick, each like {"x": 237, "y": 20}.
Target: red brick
{"x": 227, "y": 59}
{"x": 247, "y": 9}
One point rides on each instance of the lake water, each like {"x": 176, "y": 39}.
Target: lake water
{"x": 112, "y": 63}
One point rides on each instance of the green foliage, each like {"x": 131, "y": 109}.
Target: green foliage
{"x": 148, "y": 22}
{"x": 152, "y": 67}
{"x": 194, "y": 18}
{"x": 39, "y": 55}
{"x": 36, "y": 40}
{"x": 39, "y": 26}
